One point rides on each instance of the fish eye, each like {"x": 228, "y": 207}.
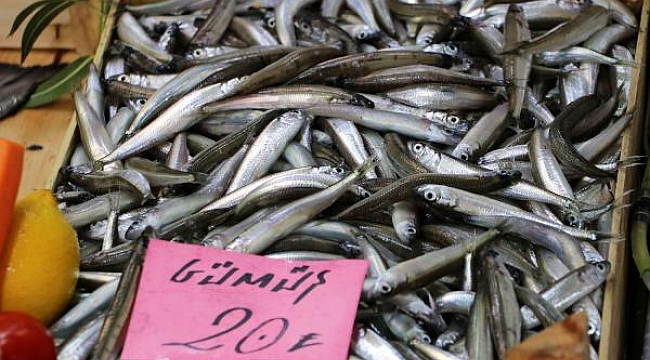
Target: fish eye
{"x": 270, "y": 23}
{"x": 428, "y": 40}
{"x": 362, "y": 35}
{"x": 123, "y": 78}
{"x": 198, "y": 52}
{"x": 411, "y": 231}
{"x": 418, "y": 147}
{"x": 431, "y": 195}
{"x": 339, "y": 170}
{"x": 452, "y": 47}
{"x": 304, "y": 25}
{"x": 464, "y": 156}
{"x": 141, "y": 101}
{"x": 364, "y": 193}
{"x": 454, "y": 119}
{"x": 385, "y": 289}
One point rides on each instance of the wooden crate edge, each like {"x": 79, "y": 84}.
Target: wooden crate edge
{"x": 613, "y": 314}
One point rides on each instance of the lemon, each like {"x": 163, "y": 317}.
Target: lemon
{"x": 40, "y": 262}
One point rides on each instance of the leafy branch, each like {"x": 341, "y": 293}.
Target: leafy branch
{"x": 42, "y": 13}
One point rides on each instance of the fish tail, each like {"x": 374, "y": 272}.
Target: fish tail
{"x": 608, "y": 238}
{"x": 631, "y": 193}
{"x": 637, "y": 160}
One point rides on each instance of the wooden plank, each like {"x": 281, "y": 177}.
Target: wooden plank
{"x": 613, "y": 337}
{"x": 11, "y": 8}
{"x": 55, "y": 36}
{"x": 86, "y": 33}
{"x": 46, "y": 126}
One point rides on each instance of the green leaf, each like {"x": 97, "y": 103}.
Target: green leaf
{"x": 25, "y": 13}
{"x": 60, "y": 84}
{"x": 39, "y": 22}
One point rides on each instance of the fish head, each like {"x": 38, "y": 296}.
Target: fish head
{"x": 510, "y": 176}
{"x": 305, "y": 28}
{"x": 452, "y": 122}
{"x": 574, "y": 218}
{"x": 465, "y": 151}
{"x": 600, "y": 270}
{"x": 195, "y": 54}
{"x": 330, "y": 170}
{"x": 406, "y": 230}
{"x": 269, "y": 19}
{"x": 438, "y": 195}
{"x": 455, "y": 124}
{"x": 136, "y": 230}
{"x": 424, "y": 153}
{"x": 447, "y": 338}
{"x": 387, "y": 283}
{"x": 216, "y": 241}
{"x": 417, "y": 149}
{"x": 293, "y": 117}
{"x": 361, "y": 192}
{"x": 127, "y": 78}
{"x": 365, "y": 33}
{"x": 429, "y": 34}
{"x": 362, "y": 101}
{"x": 420, "y": 335}
{"x": 136, "y": 104}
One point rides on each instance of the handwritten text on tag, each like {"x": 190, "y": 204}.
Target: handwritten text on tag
{"x": 199, "y": 303}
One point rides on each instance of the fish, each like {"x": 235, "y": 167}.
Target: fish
{"x": 464, "y": 149}
{"x": 588, "y": 22}
{"x": 19, "y": 83}
{"x": 215, "y": 24}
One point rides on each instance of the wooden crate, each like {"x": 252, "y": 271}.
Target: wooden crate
{"x": 613, "y": 338}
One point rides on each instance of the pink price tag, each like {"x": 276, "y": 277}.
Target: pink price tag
{"x": 195, "y": 302}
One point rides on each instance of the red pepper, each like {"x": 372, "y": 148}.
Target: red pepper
{"x": 11, "y": 168}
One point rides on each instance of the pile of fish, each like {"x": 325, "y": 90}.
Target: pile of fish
{"x": 467, "y": 150}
